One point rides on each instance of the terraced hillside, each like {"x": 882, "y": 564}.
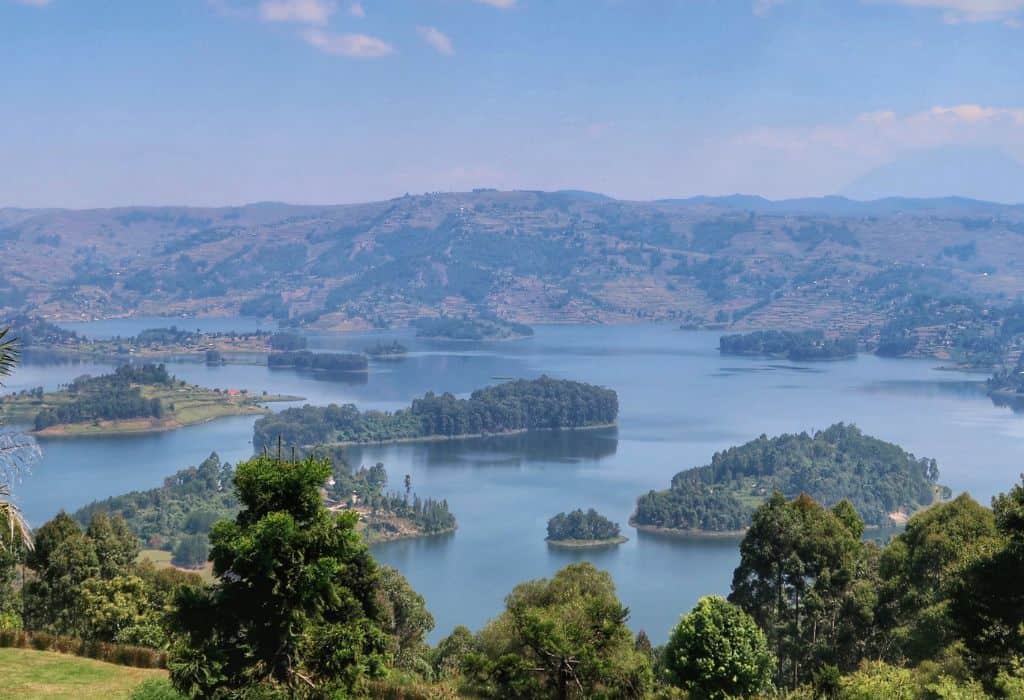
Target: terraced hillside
{"x": 524, "y": 256}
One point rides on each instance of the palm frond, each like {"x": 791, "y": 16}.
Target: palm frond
{"x": 13, "y": 522}
{"x": 8, "y": 352}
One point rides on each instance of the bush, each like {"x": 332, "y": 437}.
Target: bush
{"x": 155, "y": 689}
{"x": 121, "y": 654}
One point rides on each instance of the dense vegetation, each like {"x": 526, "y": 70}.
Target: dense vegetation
{"x": 283, "y": 341}
{"x": 518, "y": 405}
{"x": 835, "y": 464}
{"x": 465, "y": 328}
{"x": 584, "y": 526}
{"x": 318, "y": 361}
{"x": 392, "y": 349}
{"x": 793, "y": 345}
{"x": 109, "y": 397}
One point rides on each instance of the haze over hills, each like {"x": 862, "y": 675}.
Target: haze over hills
{"x": 566, "y": 256}
{"x": 970, "y": 171}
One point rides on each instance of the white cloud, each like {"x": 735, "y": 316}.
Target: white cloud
{"x": 316, "y": 12}
{"x": 500, "y": 4}
{"x": 955, "y": 11}
{"x": 819, "y": 159}
{"x": 437, "y": 39}
{"x": 356, "y": 9}
{"x": 350, "y": 45}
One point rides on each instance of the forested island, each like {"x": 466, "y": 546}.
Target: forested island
{"x": 178, "y": 516}
{"x": 793, "y": 345}
{"x": 318, "y": 361}
{"x": 382, "y": 351}
{"x": 583, "y": 529}
{"x": 466, "y": 328}
{"x": 132, "y": 399}
{"x": 538, "y": 404}
{"x": 883, "y": 482}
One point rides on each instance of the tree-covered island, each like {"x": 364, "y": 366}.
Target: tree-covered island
{"x": 386, "y": 351}
{"x": 883, "y": 482}
{"x": 516, "y": 406}
{"x": 318, "y": 361}
{"x": 132, "y": 399}
{"x": 799, "y": 346}
{"x": 466, "y": 328}
{"x": 583, "y": 529}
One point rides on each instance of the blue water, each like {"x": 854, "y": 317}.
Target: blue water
{"x": 680, "y": 402}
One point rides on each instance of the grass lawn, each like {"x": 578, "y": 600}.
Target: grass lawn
{"x": 28, "y": 674}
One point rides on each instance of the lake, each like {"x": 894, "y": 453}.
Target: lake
{"x": 680, "y": 401}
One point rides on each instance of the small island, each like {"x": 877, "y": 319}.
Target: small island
{"x": 799, "y": 346}
{"x": 504, "y": 409}
{"x": 318, "y": 361}
{"x": 391, "y": 351}
{"x": 465, "y": 328}
{"x": 583, "y": 529}
{"x": 885, "y": 484}
{"x": 132, "y": 399}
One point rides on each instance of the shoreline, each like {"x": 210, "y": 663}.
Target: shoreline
{"x": 584, "y": 544}
{"x": 685, "y": 534}
{"x": 465, "y": 436}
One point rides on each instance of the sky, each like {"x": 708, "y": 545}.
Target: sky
{"x": 223, "y": 102}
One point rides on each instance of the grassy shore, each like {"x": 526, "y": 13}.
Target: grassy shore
{"x": 185, "y": 405}
{"x": 28, "y": 674}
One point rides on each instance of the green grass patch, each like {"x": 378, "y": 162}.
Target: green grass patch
{"x": 28, "y": 674}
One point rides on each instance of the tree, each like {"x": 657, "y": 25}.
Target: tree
{"x": 798, "y": 567}
{"x": 919, "y": 570}
{"x": 564, "y": 637}
{"x": 16, "y": 452}
{"x": 406, "y": 619}
{"x": 718, "y": 652}
{"x": 191, "y": 552}
{"x": 295, "y": 608}
{"x": 63, "y": 560}
{"x": 116, "y": 546}
{"x": 988, "y": 600}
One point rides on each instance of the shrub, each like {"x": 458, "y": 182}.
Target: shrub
{"x": 155, "y": 689}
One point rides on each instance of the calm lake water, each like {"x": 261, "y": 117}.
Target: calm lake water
{"x": 679, "y": 403}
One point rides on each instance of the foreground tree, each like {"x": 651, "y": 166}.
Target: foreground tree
{"x": 295, "y": 611}
{"x": 799, "y": 573}
{"x": 718, "y": 652}
{"x": 564, "y": 637}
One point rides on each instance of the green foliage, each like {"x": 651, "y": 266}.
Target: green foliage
{"x": 798, "y": 346}
{"x": 920, "y": 569}
{"x": 465, "y": 328}
{"x": 839, "y": 463}
{"x": 519, "y": 405}
{"x": 318, "y": 361}
{"x": 718, "y": 652}
{"x": 405, "y": 619}
{"x": 188, "y": 503}
{"x": 579, "y": 525}
{"x": 796, "y": 578}
{"x": 155, "y": 689}
{"x": 286, "y": 342}
{"x": 565, "y": 637}
{"x": 191, "y": 552}
{"x": 108, "y": 397}
{"x": 296, "y": 604}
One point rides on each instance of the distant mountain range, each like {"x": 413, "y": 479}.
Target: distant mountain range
{"x": 533, "y": 257}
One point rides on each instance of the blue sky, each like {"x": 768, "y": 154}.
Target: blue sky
{"x": 117, "y": 102}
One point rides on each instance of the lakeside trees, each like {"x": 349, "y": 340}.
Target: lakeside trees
{"x": 318, "y": 361}
{"x": 794, "y": 345}
{"x": 109, "y": 397}
{"x": 517, "y": 405}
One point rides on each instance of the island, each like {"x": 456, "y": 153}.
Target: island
{"x": 132, "y": 399}
{"x": 884, "y": 483}
{"x": 799, "y": 346}
{"x": 583, "y": 529}
{"x": 318, "y": 361}
{"x": 466, "y": 328}
{"x": 40, "y": 337}
{"x": 173, "y": 521}
{"x": 391, "y": 351}
{"x": 511, "y": 407}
